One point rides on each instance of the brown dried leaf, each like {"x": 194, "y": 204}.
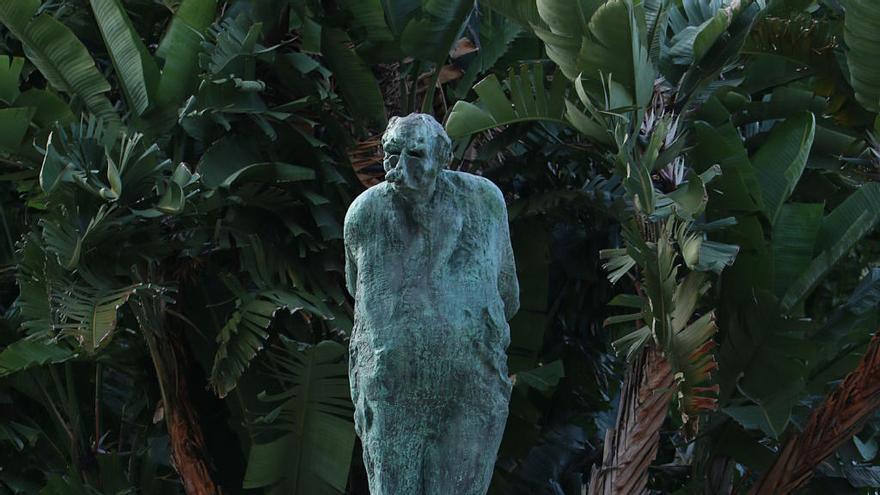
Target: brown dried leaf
{"x": 449, "y": 73}
{"x": 841, "y": 415}
{"x": 462, "y": 47}
{"x": 631, "y": 446}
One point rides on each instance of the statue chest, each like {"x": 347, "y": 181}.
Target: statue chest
{"x": 449, "y": 247}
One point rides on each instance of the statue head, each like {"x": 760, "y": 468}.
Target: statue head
{"x": 416, "y": 150}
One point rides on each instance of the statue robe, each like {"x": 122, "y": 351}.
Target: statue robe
{"x": 434, "y": 287}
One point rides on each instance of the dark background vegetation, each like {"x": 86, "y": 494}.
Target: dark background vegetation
{"x": 175, "y": 174}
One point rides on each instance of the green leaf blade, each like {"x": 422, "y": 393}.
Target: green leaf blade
{"x": 59, "y": 56}
{"x": 137, "y": 71}
{"x": 782, "y": 159}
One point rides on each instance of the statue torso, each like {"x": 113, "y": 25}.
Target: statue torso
{"x": 428, "y": 311}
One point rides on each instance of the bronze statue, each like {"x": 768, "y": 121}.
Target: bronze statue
{"x": 430, "y": 266}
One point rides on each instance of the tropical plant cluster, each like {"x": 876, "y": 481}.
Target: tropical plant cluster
{"x": 693, "y": 188}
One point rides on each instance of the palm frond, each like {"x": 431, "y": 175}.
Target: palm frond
{"x": 529, "y": 101}
{"x": 246, "y": 332}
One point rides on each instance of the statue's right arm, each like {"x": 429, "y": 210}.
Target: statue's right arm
{"x": 349, "y": 230}
{"x": 350, "y": 272}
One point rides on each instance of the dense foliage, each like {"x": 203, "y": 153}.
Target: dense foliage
{"x": 692, "y": 188}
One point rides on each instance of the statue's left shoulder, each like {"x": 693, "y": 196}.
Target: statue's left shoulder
{"x": 483, "y": 191}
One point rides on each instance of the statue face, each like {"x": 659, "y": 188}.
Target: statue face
{"x": 412, "y": 161}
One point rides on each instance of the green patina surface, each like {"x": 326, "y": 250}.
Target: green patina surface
{"x": 431, "y": 268}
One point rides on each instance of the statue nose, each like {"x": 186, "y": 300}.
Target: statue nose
{"x": 399, "y": 172}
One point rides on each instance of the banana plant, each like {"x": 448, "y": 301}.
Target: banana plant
{"x": 618, "y": 109}
{"x": 314, "y": 412}
{"x": 69, "y": 68}
{"x": 534, "y": 103}
{"x": 860, "y": 23}
{"x": 60, "y": 56}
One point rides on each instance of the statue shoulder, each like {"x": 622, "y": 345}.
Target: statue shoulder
{"x": 485, "y": 192}
{"x": 361, "y": 209}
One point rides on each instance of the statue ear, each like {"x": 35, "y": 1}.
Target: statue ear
{"x": 391, "y": 122}
{"x": 447, "y": 157}
{"x": 443, "y": 147}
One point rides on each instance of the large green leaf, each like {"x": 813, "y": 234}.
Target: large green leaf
{"x": 230, "y": 51}
{"x": 25, "y": 354}
{"x": 245, "y": 334}
{"x": 866, "y": 199}
{"x": 709, "y": 36}
{"x": 496, "y": 36}
{"x": 10, "y": 70}
{"x": 543, "y": 378}
{"x": 54, "y": 303}
{"x": 226, "y": 157}
{"x": 531, "y": 101}
{"x": 781, "y": 161}
{"x": 59, "y": 56}
{"x": 35, "y": 271}
{"x": 615, "y": 48}
{"x": 430, "y": 35}
{"x": 656, "y": 24}
{"x": 560, "y": 24}
{"x": 137, "y": 71}
{"x": 64, "y": 236}
{"x": 89, "y": 314}
{"x": 567, "y": 16}
{"x": 689, "y": 199}
{"x": 697, "y": 26}
{"x": 563, "y": 28}
{"x": 50, "y": 108}
{"x": 848, "y": 224}
{"x": 314, "y": 454}
{"x": 523, "y": 13}
{"x": 358, "y": 86}
{"x": 763, "y": 356}
{"x": 180, "y": 49}
{"x": 399, "y": 12}
{"x": 270, "y": 172}
{"x": 794, "y": 238}
{"x": 14, "y": 123}
{"x": 862, "y": 36}
{"x": 231, "y": 160}
{"x": 736, "y": 190}
{"x": 369, "y": 16}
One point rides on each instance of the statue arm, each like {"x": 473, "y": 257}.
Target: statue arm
{"x": 508, "y": 285}
{"x": 349, "y": 239}
{"x": 351, "y": 271}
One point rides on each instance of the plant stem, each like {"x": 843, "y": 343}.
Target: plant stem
{"x": 428, "y": 102}
{"x": 188, "y": 449}
{"x": 99, "y": 382}
{"x": 632, "y": 444}
{"x": 840, "y": 416}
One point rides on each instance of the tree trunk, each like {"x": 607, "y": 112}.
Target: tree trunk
{"x": 167, "y": 350}
{"x": 840, "y": 416}
{"x": 632, "y": 445}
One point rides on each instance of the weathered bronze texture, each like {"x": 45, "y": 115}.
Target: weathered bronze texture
{"x": 431, "y": 268}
